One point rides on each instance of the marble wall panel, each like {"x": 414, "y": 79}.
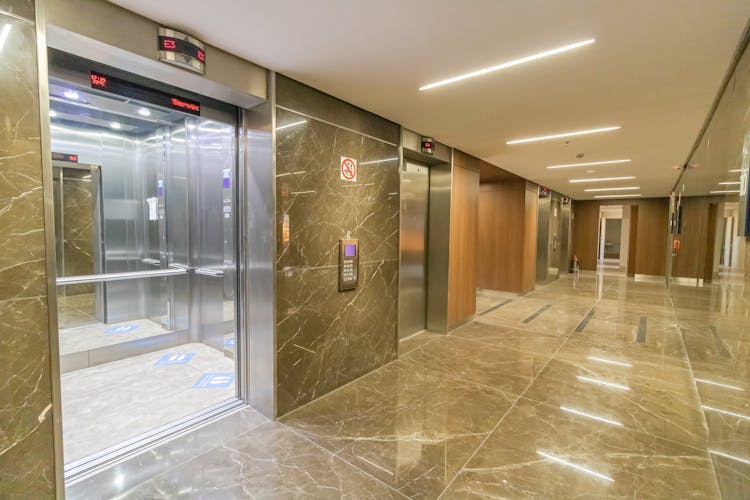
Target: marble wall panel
{"x": 326, "y": 338}
{"x": 26, "y": 435}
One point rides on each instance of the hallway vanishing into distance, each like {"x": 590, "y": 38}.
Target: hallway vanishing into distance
{"x": 283, "y": 249}
{"x": 595, "y": 387}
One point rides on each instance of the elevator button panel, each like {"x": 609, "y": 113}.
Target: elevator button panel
{"x": 348, "y": 264}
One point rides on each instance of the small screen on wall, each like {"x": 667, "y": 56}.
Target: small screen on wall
{"x": 350, "y": 250}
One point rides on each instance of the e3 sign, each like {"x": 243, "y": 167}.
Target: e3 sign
{"x": 182, "y": 50}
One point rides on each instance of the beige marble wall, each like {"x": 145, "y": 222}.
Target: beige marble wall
{"x": 326, "y": 338}
{"x": 26, "y": 434}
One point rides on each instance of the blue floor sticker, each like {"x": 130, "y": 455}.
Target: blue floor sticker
{"x": 214, "y": 381}
{"x": 175, "y": 359}
{"x": 230, "y": 342}
{"x": 122, "y": 329}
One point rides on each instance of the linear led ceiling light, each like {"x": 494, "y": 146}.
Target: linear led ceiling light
{"x": 563, "y": 134}
{"x": 725, "y": 192}
{"x": 617, "y": 196}
{"x": 508, "y": 64}
{"x": 626, "y": 188}
{"x": 603, "y": 179}
{"x": 608, "y": 162}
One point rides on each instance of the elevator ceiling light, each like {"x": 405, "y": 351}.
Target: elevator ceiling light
{"x": 144, "y": 112}
{"x": 603, "y": 179}
{"x": 608, "y": 162}
{"x": 508, "y": 64}
{"x": 624, "y": 188}
{"x": 617, "y": 196}
{"x": 4, "y": 35}
{"x": 728, "y": 183}
{"x": 725, "y": 191}
{"x": 564, "y": 134}
{"x": 294, "y": 124}
{"x": 115, "y": 125}
{"x": 71, "y": 94}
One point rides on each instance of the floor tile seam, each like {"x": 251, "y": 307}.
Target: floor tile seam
{"x": 416, "y": 347}
{"x": 341, "y": 387}
{"x": 506, "y": 347}
{"x": 336, "y": 456}
{"x": 463, "y": 380}
{"x": 700, "y": 401}
{"x": 502, "y": 418}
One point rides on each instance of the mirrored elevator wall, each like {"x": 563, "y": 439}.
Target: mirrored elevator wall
{"x": 139, "y": 202}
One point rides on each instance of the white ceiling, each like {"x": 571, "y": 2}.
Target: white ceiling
{"x": 654, "y": 70}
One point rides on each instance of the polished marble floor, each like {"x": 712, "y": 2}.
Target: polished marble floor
{"x": 596, "y": 387}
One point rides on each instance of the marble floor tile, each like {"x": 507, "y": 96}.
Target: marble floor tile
{"x": 559, "y": 404}
{"x": 409, "y": 426}
{"x": 270, "y": 461}
{"x": 543, "y": 451}
{"x": 503, "y": 369}
{"x": 668, "y": 411}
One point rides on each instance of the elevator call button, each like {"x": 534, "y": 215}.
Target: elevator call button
{"x": 348, "y": 264}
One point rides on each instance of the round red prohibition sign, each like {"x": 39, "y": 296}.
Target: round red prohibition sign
{"x": 348, "y": 169}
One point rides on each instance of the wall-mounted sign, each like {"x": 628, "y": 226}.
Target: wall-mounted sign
{"x": 145, "y": 94}
{"x": 182, "y": 50}
{"x": 428, "y": 145}
{"x": 65, "y": 157}
{"x": 543, "y": 192}
{"x": 348, "y": 169}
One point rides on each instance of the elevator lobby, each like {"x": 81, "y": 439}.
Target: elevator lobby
{"x": 285, "y": 249}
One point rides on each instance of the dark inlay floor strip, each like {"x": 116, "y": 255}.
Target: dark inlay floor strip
{"x": 537, "y": 314}
{"x": 720, "y": 345}
{"x": 585, "y": 321}
{"x": 501, "y": 304}
{"x": 642, "y": 327}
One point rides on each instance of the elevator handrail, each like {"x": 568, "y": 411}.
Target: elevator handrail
{"x": 98, "y": 278}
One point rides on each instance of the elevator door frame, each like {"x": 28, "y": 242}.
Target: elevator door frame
{"x": 412, "y": 293}
{"x": 105, "y": 458}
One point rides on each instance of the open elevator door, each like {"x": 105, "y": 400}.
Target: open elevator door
{"x": 145, "y": 194}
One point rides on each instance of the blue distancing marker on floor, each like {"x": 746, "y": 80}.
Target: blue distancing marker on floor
{"x": 230, "y": 342}
{"x": 122, "y": 329}
{"x": 214, "y": 380}
{"x": 175, "y": 359}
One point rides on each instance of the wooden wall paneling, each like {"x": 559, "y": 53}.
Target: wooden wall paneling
{"x": 711, "y": 226}
{"x": 586, "y": 233}
{"x": 689, "y": 261}
{"x": 651, "y": 238}
{"x": 462, "y": 266}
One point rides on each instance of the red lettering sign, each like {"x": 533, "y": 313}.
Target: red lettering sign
{"x": 185, "y": 105}
{"x": 170, "y": 44}
{"x": 202, "y": 56}
{"x": 98, "y": 80}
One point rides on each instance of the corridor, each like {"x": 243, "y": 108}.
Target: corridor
{"x": 597, "y": 387}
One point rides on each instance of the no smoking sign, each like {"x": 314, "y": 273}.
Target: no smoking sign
{"x": 348, "y": 169}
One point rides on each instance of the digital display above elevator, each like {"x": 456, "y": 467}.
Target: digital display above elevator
{"x": 132, "y": 90}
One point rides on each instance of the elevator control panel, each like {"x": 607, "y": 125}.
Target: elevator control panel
{"x": 348, "y": 264}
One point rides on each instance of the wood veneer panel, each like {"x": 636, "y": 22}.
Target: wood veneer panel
{"x": 462, "y": 276}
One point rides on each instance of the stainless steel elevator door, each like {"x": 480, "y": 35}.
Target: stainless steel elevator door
{"x": 415, "y": 188}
